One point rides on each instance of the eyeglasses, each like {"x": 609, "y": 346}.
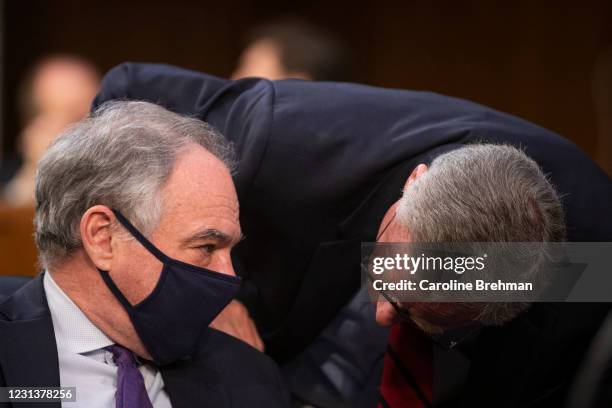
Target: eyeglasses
{"x": 386, "y": 226}
{"x": 403, "y": 313}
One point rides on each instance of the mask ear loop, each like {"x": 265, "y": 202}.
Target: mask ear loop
{"x": 113, "y": 288}
{"x": 140, "y": 238}
{"x": 129, "y": 308}
{"x": 163, "y": 258}
{"x": 145, "y": 243}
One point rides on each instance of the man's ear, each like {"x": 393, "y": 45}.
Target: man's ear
{"x": 416, "y": 173}
{"x": 96, "y": 235}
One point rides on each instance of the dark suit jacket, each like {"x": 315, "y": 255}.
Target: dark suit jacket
{"x": 10, "y": 284}
{"x": 531, "y": 361}
{"x": 226, "y": 372}
{"x": 320, "y": 163}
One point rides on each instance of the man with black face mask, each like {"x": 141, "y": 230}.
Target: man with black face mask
{"x": 136, "y": 217}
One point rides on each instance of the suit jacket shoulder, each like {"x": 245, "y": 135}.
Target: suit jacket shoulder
{"x": 226, "y": 373}
{"x": 28, "y": 352}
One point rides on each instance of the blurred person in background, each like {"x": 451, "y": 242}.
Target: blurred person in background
{"x": 293, "y": 49}
{"x": 57, "y": 92}
{"x": 602, "y": 100}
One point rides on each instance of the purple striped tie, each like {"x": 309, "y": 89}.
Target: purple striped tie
{"x": 131, "y": 391}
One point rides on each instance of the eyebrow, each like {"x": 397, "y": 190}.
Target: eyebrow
{"x": 211, "y": 233}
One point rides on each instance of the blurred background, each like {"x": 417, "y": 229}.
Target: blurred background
{"x": 548, "y": 62}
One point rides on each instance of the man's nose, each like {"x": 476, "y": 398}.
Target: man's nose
{"x": 224, "y": 264}
{"x": 386, "y": 314}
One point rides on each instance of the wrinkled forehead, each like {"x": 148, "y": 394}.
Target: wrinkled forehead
{"x": 200, "y": 183}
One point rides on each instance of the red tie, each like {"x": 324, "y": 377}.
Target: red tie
{"x": 407, "y": 380}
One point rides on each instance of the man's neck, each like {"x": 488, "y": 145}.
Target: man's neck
{"x": 82, "y": 283}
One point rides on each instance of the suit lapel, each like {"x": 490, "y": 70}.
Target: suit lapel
{"x": 28, "y": 352}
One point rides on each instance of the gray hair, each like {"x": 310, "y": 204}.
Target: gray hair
{"x": 485, "y": 193}
{"x": 119, "y": 156}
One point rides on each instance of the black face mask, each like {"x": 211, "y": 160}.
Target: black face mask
{"x": 173, "y": 318}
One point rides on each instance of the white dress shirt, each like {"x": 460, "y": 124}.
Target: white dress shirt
{"x": 83, "y": 361}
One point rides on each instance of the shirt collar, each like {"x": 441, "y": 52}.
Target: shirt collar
{"x": 74, "y": 332}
